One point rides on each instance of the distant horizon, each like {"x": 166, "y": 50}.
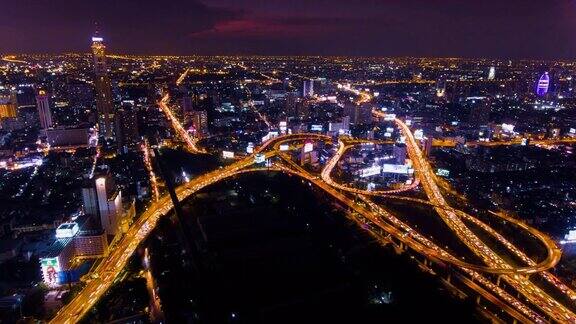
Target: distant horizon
{"x": 567, "y": 60}
{"x": 495, "y": 29}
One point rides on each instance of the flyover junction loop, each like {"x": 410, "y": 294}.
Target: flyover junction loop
{"x": 553, "y": 252}
{"x": 112, "y": 265}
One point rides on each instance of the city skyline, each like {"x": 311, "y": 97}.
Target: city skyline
{"x": 151, "y": 173}
{"x": 491, "y": 29}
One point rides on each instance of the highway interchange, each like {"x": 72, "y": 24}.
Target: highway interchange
{"x": 529, "y": 303}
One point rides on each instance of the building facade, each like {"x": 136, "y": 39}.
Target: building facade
{"x": 104, "y": 104}
{"x": 43, "y": 106}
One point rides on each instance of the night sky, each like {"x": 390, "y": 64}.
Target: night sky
{"x": 447, "y": 28}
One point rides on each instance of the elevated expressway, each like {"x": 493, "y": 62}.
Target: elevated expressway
{"x": 535, "y": 305}
{"x": 527, "y": 302}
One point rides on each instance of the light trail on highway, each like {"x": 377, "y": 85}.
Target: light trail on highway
{"x": 191, "y": 143}
{"x": 523, "y": 285}
{"x": 151, "y": 174}
{"x": 532, "y": 303}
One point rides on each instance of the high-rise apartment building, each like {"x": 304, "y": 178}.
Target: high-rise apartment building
{"x": 126, "y": 123}
{"x": 43, "y": 106}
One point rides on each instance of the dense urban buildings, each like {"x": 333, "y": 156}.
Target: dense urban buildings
{"x": 184, "y": 188}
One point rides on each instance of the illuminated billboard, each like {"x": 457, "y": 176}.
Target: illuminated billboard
{"x": 50, "y": 268}
{"x": 443, "y": 172}
{"x": 316, "y": 128}
{"x": 228, "y": 154}
{"x": 284, "y": 147}
{"x": 308, "y": 147}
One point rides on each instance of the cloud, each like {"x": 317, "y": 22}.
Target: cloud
{"x": 279, "y": 26}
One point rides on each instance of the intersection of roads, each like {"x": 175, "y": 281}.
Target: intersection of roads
{"x": 495, "y": 278}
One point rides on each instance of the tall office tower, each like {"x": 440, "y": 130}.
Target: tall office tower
{"x": 187, "y": 108}
{"x": 492, "y": 73}
{"x": 441, "y": 87}
{"x": 126, "y": 123}
{"x": 303, "y": 108}
{"x": 109, "y": 205}
{"x": 8, "y": 104}
{"x": 308, "y": 89}
{"x": 200, "y": 122}
{"x": 90, "y": 199}
{"x": 359, "y": 114}
{"x": 543, "y": 85}
{"x": 103, "y": 88}
{"x": 187, "y": 104}
{"x": 290, "y": 109}
{"x": 102, "y": 202}
{"x": 399, "y": 152}
{"x": 43, "y": 106}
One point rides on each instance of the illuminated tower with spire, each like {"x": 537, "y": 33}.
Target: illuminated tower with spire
{"x": 103, "y": 89}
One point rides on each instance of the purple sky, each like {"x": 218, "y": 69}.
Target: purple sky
{"x": 449, "y": 28}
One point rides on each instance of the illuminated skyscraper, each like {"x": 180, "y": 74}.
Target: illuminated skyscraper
{"x": 43, "y": 106}
{"x": 200, "y": 122}
{"x": 103, "y": 89}
{"x": 110, "y": 205}
{"x": 441, "y": 87}
{"x": 308, "y": 89}
{"x": 543, "y": 85}
{"x": 492, "y": 73}
{"x": 291, "y": 108}
{"x": 102, "y": 202}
